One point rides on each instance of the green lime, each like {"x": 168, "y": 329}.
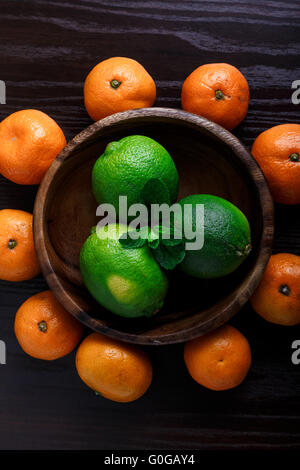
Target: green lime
{"x": 127, "y": 282}
{"x": 127, "y": 166}
{"x": 227, "y": 240}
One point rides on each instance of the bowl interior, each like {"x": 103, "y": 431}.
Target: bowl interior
{"x": 206, "y": 164}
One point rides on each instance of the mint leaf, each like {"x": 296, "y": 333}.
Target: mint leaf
{"x": 153, "y": 238}
{"x": 130, "y": 243}
{"x": 168, "y": 251}
{"x": 155, "y": 191}
{"x": 169, "y": 256}
{"x": 153, "y": 243}
{"x": 169, "y": 236}
{"x": 163, "y": 231}
{"x": 144, "y": 232}
{"x": 171, "y": 241}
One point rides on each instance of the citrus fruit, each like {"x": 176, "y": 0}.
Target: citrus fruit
{"x": 118, "y": 371}
{"x": 277, "y": 151}
{"x": 44, "y": 329}
{"x": 30, "y": 141}
{"x": 227, "y": 240}
{"x": 18, "y": 260}
{"x": 219, "y": 360}
{"x": 277, "y": 297}
{"x": 127, "y": 165}
{"x": 117, "y": 84}
{"x": 127, "y": 282}
{"x": 218, "y": 92}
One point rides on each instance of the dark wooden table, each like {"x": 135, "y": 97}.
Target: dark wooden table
{"x": 47, "y": 48}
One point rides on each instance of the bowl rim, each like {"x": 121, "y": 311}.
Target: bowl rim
{"x": 245, "y": 289}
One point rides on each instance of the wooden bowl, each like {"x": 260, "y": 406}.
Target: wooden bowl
{"x": 209, "y": 160}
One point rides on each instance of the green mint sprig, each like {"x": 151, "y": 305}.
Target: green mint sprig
{"x": 166, "y": 244}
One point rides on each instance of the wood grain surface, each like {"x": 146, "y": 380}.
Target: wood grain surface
{"x": 47, "y": 48}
